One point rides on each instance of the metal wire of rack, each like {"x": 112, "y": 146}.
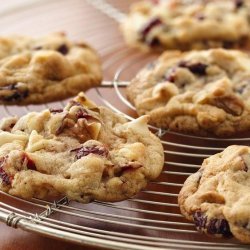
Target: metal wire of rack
{"x": 152, "y": 219}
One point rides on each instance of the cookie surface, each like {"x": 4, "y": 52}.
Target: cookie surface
{"x": 217, "y": 197}
{"x": 45, "y": 69}
{"x": 185, "y": 25}
{"x": 82, "y": 151}
{"x": 199, "y": 92}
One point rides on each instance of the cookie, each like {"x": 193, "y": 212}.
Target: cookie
{"x": 217, "y": 197}
{"x": 185, "y": 25}
{"x": 199, "y": 92}
{"x": 45, "y": 69}
{"x": 83, "y": 151}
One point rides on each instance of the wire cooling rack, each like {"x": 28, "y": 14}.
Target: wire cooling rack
{"x": 152, "y": 219}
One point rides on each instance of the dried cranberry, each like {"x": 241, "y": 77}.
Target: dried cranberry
{"x": 16, "y": 96}
{"x": 63, "y": 49}
{"x": 54, "y": 111}
{"x": 219, "y": 226}
{"x": 200, "y": 16}
{"x": 170, "y": 75}
{"x": 196, "y": 68}
{"x": 74, "y": 103}
{"x": 154, "y": 42}
{"x": 29, "y": 163}
{"x": 17, "y": 93}
{"x": 3, "y": 175}
{"x": 200, "y": 220}
{"x": 212, "y": 226}
{"x": 149, "y": 26}
{"x": 238, "y": 3}
{"x": 86, "y": 150}
{"x": 82, "y": 113}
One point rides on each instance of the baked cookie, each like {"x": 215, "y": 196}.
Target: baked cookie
{"x": 188, "y": 24}
{"x": 45, "y": 69}
{"x": 82, "y": 151}
{"x": 198, "y": 92}
{"x": 217, "y": 197}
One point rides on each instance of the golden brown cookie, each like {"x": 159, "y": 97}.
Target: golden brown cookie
{"x": 38, "y": 70}
{"x": 83, "y": 151}
{"x": 188, "y": 24}
{"x": 198, "y": 92}
{"x": 217, "y": 197}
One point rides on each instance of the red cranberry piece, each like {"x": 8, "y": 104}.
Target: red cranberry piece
{"x": 3, "y": 175}
{"x": 200, "y": 17}
{"x": 54, "y": 111}
{"x": 155, "y": 42}
{"x": 170, "y": 75}
{"x": 200, "y": 220}
{"x": 63, "y": 49}
{"x": 16, "y": 96}
{"x": 219, "y": 226}
{"x": 82, "y": 113}
{"x": 149, "y": 26}
{"x": 17, "y": 93}
{"x": 86, "y": 150}
{"x": 212, "y": 226}
{"x": 238, "y": 3}
{"x": 74, "y": 103}
{"x": 29, "y": 163}
{"x": 196, "y": 68}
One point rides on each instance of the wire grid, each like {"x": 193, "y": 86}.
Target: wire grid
{"x": 152, "y": 219}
